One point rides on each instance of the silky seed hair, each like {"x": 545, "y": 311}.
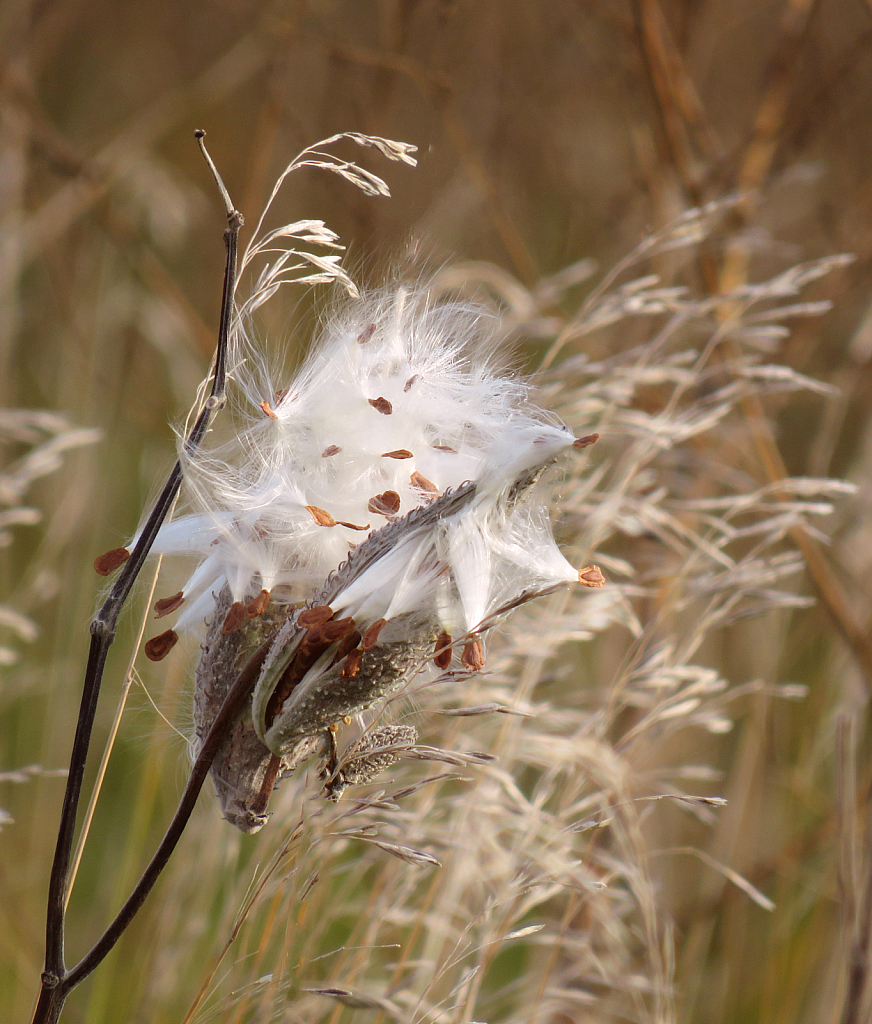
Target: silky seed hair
{"x": 370, "y": 521}
{"x": 399, "y": 401}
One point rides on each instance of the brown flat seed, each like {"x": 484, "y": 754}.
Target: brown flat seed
{"x": 337, "y": 629}
{"x": 352, "y": 526}
{"x": 268, "y": 409}
{"x": 347, "y": 645}
{"x": 331, "y": 449}
{"x": 473, "y": 656}
{"x": 381, "y": 405}
{"x": 257, "y": 606}
{"x": 316, "y": 616}
{"x": 321, "y": 517}
{"x": 400, "y": 453}
{"x": 352, "y": 665}
{"x": 370, "y": 637}
{"x": 168, "y": 604}
{"x": 110, "y": 561}
{"x": 159, "y": 647}
{"x": 444, "y": 448}
{"x": 314, "y": 638}
{"x": 386, "y": 504}
{"x": 584, "y": 442}
{"x": 234, "y": 618}
{"x": 407, "y": 386}
{"x": 591, "y": 576}
{"x": 366, "y": 334}
{"x": 442, "y": 650}
{"x": 423, "y": 484}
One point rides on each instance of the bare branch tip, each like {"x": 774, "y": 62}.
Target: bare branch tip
{"x": 234, "y": 217}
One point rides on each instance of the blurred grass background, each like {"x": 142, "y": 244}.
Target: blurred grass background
{"x": 547, "y": 132}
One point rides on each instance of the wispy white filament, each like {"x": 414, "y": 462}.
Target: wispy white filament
{"x": 398, "y": 402}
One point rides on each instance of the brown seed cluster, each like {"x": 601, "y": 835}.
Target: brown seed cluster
{"x": 322, "y": 630}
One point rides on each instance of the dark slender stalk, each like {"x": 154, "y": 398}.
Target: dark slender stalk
{"x": 230, "y": 709}
{"x": 53, "y": 996}
{"x": 56, "y": 982}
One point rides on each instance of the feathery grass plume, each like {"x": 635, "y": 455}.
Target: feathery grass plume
{"x": 371, "y": 517}
{"x": 41, "y": 438}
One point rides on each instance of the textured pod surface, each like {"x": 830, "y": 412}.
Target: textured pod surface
{"x": 244, "y": 771}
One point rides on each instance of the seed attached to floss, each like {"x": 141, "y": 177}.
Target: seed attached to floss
{"x": 258, "y": 605}
{"x": 234, "y": 618}
{"x": 268, "y": 409}
{"x": 111, "y": 560}
{"x": 316, "y": 616}
{"x": 331, "y": 449}
{"x": 168, "y": 604}
{"x": 381, "y": 405}
{"x": 351, "y": 668}
{"x": 591, "y": 576}
{"x": 366, "y": 334}
{"x": 160, "y": 646}
{"x": 442, "y": 651}
{"x": 370, "y": 637}
{"x": 408, "y": 385}
{"x": 321, "y": 517}
{"x": 473, "y": 656}
{"x": 585, "y": 442}
{"x": 387, "y": 504}
{"x": 400, "y": 453}
{"x": 423, "y": 484}
{"x": 337, "y": 629}
{"x": 347, "y": 645}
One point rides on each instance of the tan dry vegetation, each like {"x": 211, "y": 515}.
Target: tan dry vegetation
{"x": 582, "y": 876}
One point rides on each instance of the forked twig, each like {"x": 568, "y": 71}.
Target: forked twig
{"x": 57, "y": 982}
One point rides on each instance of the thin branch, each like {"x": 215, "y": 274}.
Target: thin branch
{"x": 230, "y": 709}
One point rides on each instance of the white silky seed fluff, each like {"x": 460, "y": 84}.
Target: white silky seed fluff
{"x": 399, "y": 399}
